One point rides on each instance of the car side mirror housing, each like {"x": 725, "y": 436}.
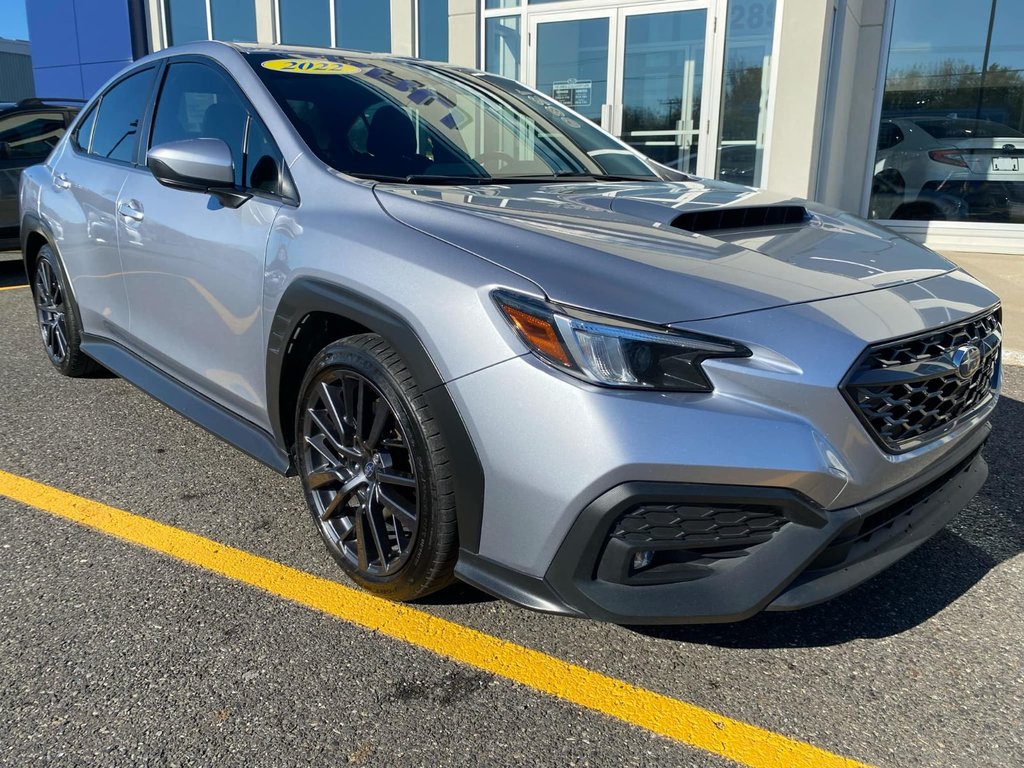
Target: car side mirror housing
{"x": 197, "y": 165}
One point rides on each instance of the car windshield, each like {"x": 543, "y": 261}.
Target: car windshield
{"x": 968, "y": 129}
{"x": 403, "y": 121}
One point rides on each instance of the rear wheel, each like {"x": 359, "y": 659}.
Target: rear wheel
{"x": 58, "y": 318}
{"x": 375, "y": 470}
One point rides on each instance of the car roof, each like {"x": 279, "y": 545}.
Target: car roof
{"x": 36, "y": 103}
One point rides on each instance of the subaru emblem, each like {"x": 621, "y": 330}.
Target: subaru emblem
{"x": 1009, "y": 148}
{"x": 967, "y": 360}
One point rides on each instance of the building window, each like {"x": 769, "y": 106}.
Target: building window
{"x": 432, "y": 29}
{"x": 355, "y": 24}
{"x": 233, "y": 20}
{"x": 190, "y": 20}
{"x": 305, "y": 22}
{"x": 951, "y": 133}
{"x": 749, "y": 36}
{"x": 186, "y": 21}
{"x": 503, "y": 46}
{"x": 363, "y": 25}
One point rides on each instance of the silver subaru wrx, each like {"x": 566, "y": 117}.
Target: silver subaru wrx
{"x": 497, "y": 344}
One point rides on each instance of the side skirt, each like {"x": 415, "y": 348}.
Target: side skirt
{"x": 195, "y": 407}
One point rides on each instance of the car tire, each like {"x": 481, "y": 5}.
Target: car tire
{"x": 375, "y": 470}
{"x": 58, "y": 318}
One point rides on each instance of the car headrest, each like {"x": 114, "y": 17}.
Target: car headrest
{"x": 391, "y": 132}
{"x": 225, "y": 121}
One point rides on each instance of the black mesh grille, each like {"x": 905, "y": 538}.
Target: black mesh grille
{"x": 912, "y": 390}
{"x": 733, "y": 526}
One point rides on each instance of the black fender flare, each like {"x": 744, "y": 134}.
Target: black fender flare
{"x": 307, "y": 295}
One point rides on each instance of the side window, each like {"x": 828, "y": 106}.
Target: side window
{"x": 83, "y": 133}
{"x": 889, "y": 135}
{"x": 115, "y": 133}
{"x": 197, "y": 101}
{"x": 264, "y": 164}
{"x": 30, "y": 136}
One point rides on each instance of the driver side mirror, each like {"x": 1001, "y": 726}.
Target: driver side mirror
{"x": 197, "y": 165}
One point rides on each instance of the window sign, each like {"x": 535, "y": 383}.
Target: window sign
{"x": 572, "y": 92}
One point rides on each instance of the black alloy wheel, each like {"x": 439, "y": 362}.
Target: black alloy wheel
{"x": 375, "y": 470}
{"x": 59, "y": 323}
{"x": 360, "y": 473}
{"x": 51, "y": 312}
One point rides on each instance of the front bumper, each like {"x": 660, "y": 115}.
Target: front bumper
{"x": 815, "y": 556}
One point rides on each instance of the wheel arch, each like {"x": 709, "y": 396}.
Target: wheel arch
{"x": 311, "y": 314}
{"x": 34, "y": 236}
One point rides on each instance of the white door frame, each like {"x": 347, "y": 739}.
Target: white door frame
{"x": 611, "y": 112}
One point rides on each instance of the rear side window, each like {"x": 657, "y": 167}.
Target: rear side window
{"x": 197, "y": 101}
{"x": 889, "y": 135}
{"x": 30, "y": 136}
{"x": 115, "y": 134}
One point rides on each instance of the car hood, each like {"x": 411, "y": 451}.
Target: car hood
{"x": 613, "y": 247}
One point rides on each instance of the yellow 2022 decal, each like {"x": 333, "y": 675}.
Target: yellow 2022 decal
{"x": 311, "y": 66}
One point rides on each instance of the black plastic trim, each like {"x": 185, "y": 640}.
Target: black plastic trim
{"x": 194, "y": 406}
{"x": 307, "y": 295}
{"x": 773, "y": 576}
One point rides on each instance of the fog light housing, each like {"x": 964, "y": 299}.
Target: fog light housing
{"x": 642, "y": 559}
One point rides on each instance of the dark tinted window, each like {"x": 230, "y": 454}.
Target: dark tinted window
{"x": 30, "y": 135}
{"x": 264, "y": 165}
{"x": 968, "y": 129}
{"x": 117, "y": 120}
{"x": 398, "y": 118}
{"x": 83, "y": 133}
{"x": 889, "y": 135}
{"x": 197, "y": 101}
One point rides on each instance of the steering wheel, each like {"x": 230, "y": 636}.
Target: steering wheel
{"x": 499, "y": 157}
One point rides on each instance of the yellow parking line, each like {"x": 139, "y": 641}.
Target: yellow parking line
{"x": 11, "y": 287}
{"x": 674, "y": 719}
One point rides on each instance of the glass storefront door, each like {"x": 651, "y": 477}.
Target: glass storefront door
{"x": 641, "y": 72}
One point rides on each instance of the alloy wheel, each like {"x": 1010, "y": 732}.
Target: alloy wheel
{"x": 50, "y": 310}
{"x": 360, "y": 473}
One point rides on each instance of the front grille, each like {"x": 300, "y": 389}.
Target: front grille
{"x": 704, "y": 528}
{"x": 912, "y": 390}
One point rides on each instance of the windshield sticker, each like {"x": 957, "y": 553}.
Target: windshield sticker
{"x": 311, "y": 66}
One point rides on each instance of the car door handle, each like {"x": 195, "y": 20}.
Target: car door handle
{"x": 131, "y": 209}
{"x": 61, "y": 181}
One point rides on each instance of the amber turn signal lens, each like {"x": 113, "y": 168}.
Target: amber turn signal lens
{"x": 538, "y": 333}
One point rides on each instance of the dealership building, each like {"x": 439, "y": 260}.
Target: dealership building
{"x": 907, "y": 111}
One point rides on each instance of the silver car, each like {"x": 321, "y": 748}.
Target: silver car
{"x": 497, "y": 344}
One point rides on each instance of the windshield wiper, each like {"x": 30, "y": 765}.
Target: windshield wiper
{"x": 423, "y": 178}
{"x": 574, "y": 176}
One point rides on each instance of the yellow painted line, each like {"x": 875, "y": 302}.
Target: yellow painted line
{"x": 671, "y": 718}
{"x": 12, "y": 287}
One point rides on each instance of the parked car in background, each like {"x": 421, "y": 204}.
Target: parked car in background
{"x": 947, "y": 168}
{"x": 497, "y": 343}
{"x": 29, "y": 130}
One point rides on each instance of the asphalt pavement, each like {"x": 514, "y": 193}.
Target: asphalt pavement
{"x": 112, "y": 654}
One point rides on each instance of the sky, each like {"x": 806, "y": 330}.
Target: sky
{"x": 12, "y": 19}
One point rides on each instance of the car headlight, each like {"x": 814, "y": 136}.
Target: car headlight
{"x": 613, "y": 352}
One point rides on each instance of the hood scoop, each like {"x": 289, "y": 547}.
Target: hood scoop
{"x": 755, "y": 217}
